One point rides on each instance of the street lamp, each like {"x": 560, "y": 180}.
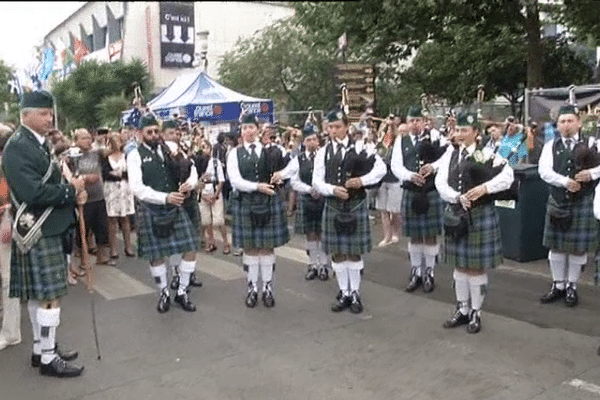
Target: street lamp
{"x": 202, "y": 45}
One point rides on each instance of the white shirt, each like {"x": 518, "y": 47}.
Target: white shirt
{"x": 597, "y": 202}
{"x": 233, "y": 170}
{"x": 39, "y": 137}
{"x": 136, "y": 183}
{"x": 318, "y": 180}
{"x": 397, "y": 162}
{"x": 546, "y": 164}
{"x": 500, "y": 182}
{"x": 210, "y": 174}
{"x": 296, "y": 182}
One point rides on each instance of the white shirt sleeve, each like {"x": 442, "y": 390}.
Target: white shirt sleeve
{"x": 193, "y": 179}
{"x": 298, "y": 185}
{"x": 441, "y": 179}
{"x": 235, "y": 177}
{"x": 290, "y": 169}
{"x": 141, "y": 191}
{"x": 376, "y": 174}
{"x": 220, "y": 172}
{"x": 597, "y": 202}
{"x": 503, "y": 180}
{"x": 545, "y": 168}
{"x": 318, "y": 179}
{"x": 397, "y": 163}
{"x": 436, "y": 164}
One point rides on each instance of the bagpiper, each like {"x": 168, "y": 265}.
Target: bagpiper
{"x": 164, "y": 226}
{"x": 569, "y": 165}
{"x": 342, "y": 169}
{"x": 467, "y": 178}
{"x": 259, "y": 221}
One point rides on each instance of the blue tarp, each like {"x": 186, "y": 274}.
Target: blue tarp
{"x": 198, "y": 97}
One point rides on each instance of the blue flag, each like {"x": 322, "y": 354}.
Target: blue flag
{"x": 47, "y": 64}
{"x": 134, "y": 118}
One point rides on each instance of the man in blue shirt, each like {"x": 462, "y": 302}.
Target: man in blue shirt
{"x": 513, "y": 146}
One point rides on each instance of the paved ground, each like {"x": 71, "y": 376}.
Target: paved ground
{"x": 396, "y": 349}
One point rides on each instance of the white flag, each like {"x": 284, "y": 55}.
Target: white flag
{"x": 342, "y": 42}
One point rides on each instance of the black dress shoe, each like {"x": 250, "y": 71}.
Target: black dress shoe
{"x": 414, "y": 283}
{"x": 457, "y": 319}
{"x": 251, "y": 298}
{"x": 323, "y": 273}
{"x": 571, "y": 297}
{"x": 553, "y": 295}
{"x": 267, "y": 297}
{"x": 195, "y": 281}
{"x": 184, "y": 301}
{"x": 61, "y": 368}
{"x": 475, "y": 322}
{"x": 311, "y": 273}
{"x": 65, "y": 354}
{"x": 356, "y": 306}
{"x": 341, "y": 304}
{"x": 175, "y": 282}
{"x": 428, "y": 281}
{"x": 164, "y": 301}
{"x": 339, "y": 295}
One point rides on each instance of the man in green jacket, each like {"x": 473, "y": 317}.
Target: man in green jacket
{"x": 39, "y": 268}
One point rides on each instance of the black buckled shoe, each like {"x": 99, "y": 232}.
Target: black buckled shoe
{"x": 184, "y": 301}
{"x": 571, "y": 297}
{"x": 341, "y": 304}
{"x": 415, "y": 281}
{"x": 457, "y": 319}
{"x": 164, "y": 301}
{"x": 474, "y": 323}
{"x": 65, "y": 354}
{"x": 175, "y": 282}
{"x": 61, "y": 368}
{"x": 311, "y": 273}
{"x": 356, "y": 306}
{"x": 251, "y": 298}
{"x": 194, "y": 281}
{"x": 553, "y": 295}
{"x": 428, "y": 281}
{"x": 267, "y": 296}
{"x": 323, "y": 273}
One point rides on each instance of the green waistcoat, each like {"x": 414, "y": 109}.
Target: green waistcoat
{"x": 409, "y": 154}
{"x": 250, "y": 170}
{"x": 155, "y": 173}
{"x": 563, "y": 163}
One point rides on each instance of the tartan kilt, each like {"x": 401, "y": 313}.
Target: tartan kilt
{"x": 41, "y": 274}
{"x": 482, "y": 247}
{"x": 583, "y": 234}
{"x": 185, "y": 237}
{"x": 357, "y": 243}
{"x": 428, "y": 224}
{"x": 304, "y": 224}
{"x": 273, "y": 234}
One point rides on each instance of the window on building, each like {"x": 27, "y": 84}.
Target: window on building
{"x": 120, "y": 21}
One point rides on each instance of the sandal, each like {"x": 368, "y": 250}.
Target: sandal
{"x": 72, "y": 279}
{"x": 226, "y": 249}
{"x": 211, "y": 248}
{"x": 77, "y": 271}
{"x": 110, "y": 262}
{"x": 114, "y": 257}
{"x": 129, "y": 254}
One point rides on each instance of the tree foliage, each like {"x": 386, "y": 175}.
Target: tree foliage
{"x": 80, "y": 95}
{"x": 283, "y": 62}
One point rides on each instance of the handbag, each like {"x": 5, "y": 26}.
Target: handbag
{"x": 163, "y": 223}
{"x": 260, "y": 214}
{"x": 420, "y": 203}
{"x": 456, "y": 221}
{"x": 313, "y": 208}
{"x": 345, "y": 222}
{"x": 561, "y": 218}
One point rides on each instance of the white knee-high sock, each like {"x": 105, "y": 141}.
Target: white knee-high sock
{"x": 251, "y": 267}
{"x": 49, "y": 319}
{"x": 32, "y": 308}
{"x": 354, "y": 268}
{"x": 461, "y": 288}
{"x": 267, "y": 265}
{"x": 159, "y": 273}
{"x": 557, "y": 267}
{"x": 415, "y": 251}
{"x": 341, "y": 273}
{"x": 478, "y": 288}
{"x": 322, "y": 255}
{"x": 430, "y": 252}
{"x": 313, "y": 253}
{"x": 174, "y": 262}
{"x": 185, "y": 270}
{"x": 576, "y": 264}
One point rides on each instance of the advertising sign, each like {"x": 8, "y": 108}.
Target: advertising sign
{"x": 176, "y": 34}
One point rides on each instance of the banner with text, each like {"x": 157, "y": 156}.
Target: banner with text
{"x": 176, "y": 34}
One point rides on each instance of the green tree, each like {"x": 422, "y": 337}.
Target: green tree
{"x": 8, "y": 100}
{"x": 79, "y": 96}
{"x": 110, "y": 109}
{"x": 283, "y": 62}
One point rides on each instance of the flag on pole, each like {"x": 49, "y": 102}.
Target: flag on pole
{"x": 47, "y": 63}
{"x": 342, "y": 42}
{"x": 15, "y": 86}
{"x": 81, "y": 50}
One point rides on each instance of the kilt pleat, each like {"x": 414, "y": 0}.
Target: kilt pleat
{"x": 583, "y": 233}
{"x": 41, "y": 274}
{"x": 357, "y": 243}
{"x": 304, "y": 224}
{"x": 428, "y": 224}
{"x": 482, "y": 247}
{"x": 185, "y": 237}
{"x": 274, "y": 234}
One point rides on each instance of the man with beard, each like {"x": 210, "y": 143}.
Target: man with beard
{"x": 165, "y": 227}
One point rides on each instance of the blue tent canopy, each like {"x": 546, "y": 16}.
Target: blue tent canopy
{"x": 198, "y": 97}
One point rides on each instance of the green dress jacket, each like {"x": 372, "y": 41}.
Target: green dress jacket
{"x": 25, "y": 162}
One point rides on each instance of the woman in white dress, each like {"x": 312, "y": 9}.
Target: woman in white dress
{"x": 118, "y": 196}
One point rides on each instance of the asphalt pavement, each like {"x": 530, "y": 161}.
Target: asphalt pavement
{"x": 395, "y": 349}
